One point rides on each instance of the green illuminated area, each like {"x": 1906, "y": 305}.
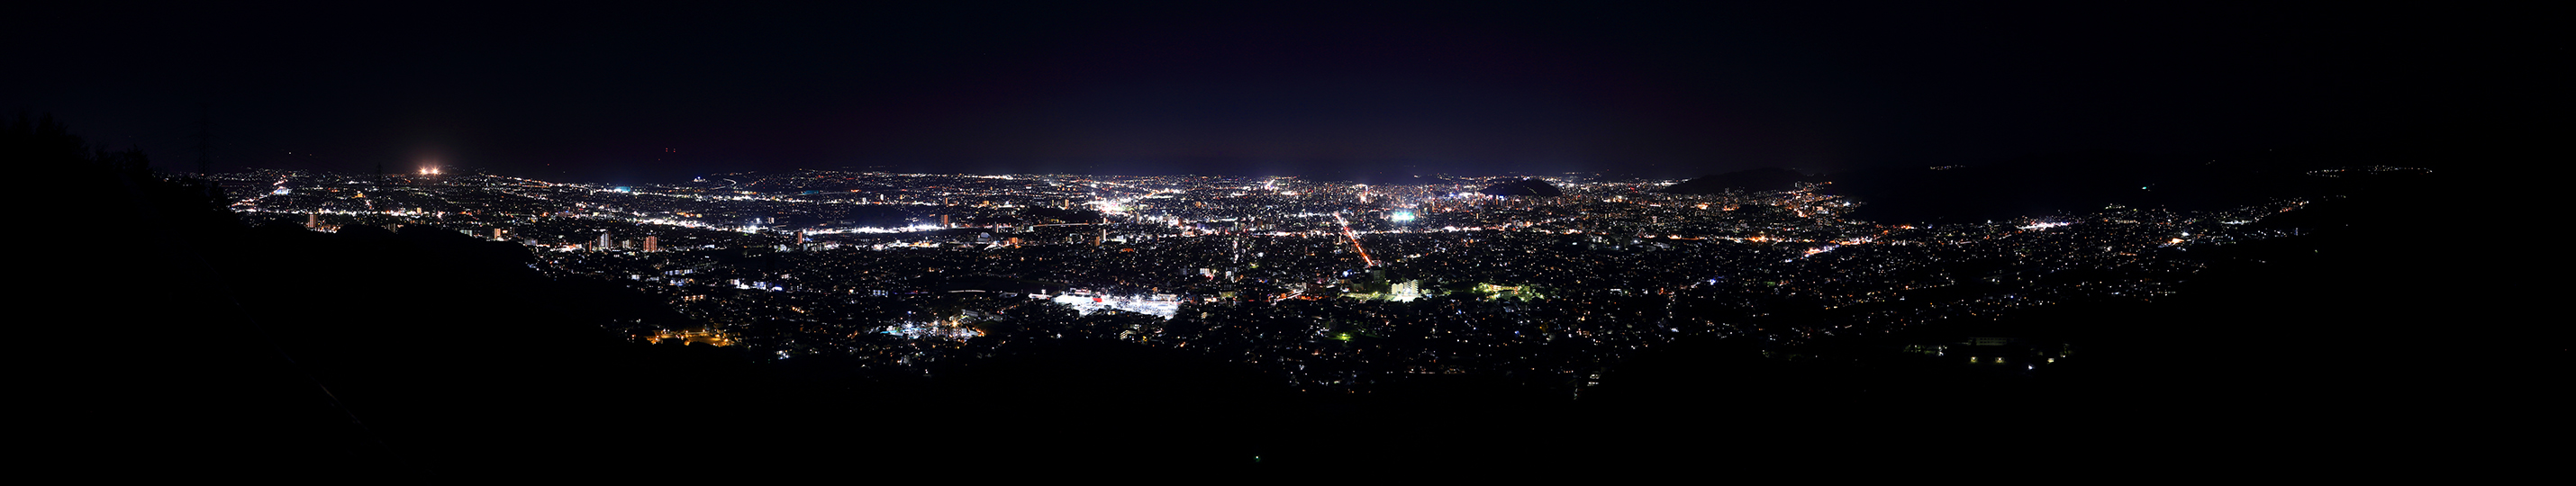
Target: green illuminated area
{"x": 1521, "y": 293}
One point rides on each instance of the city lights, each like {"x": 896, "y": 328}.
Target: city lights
{"x": 819, "y": 261}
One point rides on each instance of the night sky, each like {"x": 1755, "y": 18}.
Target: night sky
{"x": 660, "y": 92}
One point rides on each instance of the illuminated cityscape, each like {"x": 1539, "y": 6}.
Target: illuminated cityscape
{"x": 1245, "y": 242}
{"x": 907, "y": 270}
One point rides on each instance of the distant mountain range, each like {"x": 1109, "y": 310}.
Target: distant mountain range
{"x": 1523, "y": 187}
{"x": 1763, "y": 179}
{"x": 2048, "y": 184}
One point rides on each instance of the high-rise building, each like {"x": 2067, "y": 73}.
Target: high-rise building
{"x": 652, "y": 244}
{"x": 500, "y": 234}
{"x": 603, "y": 241}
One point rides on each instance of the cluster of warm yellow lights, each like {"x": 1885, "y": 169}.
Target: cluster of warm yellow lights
{"x": 702, "y": 336}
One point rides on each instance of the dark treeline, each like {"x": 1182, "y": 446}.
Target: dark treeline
{"x": 416, "y": 353}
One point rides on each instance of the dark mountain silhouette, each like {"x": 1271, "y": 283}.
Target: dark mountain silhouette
{"x": 1763, "y": 179}
{"x": 2077, "y": 182}
{"x": 1523, "y": 187}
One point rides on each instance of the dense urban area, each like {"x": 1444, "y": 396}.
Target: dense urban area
{"x": 1328, "y": 287}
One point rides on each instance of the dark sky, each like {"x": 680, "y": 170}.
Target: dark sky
{"x": 605, "y": 93}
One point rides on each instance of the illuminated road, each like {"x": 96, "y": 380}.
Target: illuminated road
{"x": 1355, "y": 240}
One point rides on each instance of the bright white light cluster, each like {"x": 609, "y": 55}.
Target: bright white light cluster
{"x": 1087, "y": 304}
{"x": 872, "y": 229}
{"x": 918, "y": 330}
